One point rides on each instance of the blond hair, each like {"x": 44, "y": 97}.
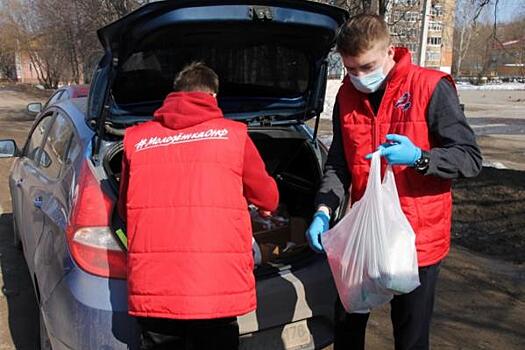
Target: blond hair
{"x": 361, "y": 33}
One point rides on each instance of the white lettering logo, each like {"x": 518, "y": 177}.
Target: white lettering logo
{"x": 155, "y": 141}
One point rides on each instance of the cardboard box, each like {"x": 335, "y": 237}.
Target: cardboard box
{"x": 278, "y": 236}
{"x": 269, "y": 252}
{"x": 298, "y": 227}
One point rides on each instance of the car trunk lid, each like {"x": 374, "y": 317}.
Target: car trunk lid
{"x": 270, "y": 57}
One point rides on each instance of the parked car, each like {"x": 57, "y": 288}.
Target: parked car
{"x": 271, "y": 60}
{"x": 63, "y": 93}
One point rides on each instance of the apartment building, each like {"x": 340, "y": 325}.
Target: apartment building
{"x": 25, "y": 70}
{"x": 405, "y": 20}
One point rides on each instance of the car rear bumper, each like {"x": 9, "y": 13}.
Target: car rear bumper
{"x": 90, "y": 312}
{"x": 291, "y": 303}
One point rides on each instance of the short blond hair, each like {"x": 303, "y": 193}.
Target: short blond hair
{"x": 361, "y": 33}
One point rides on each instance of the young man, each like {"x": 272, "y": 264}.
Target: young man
{"x": 187, "y": 178}
{"x": 413, "y": 116}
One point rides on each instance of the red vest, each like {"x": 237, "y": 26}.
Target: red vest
{"x": 425, "y": 200}
{"x": 189, "y": 231}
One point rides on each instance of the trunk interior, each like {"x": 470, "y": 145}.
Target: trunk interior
{"x": 291, "y": 160}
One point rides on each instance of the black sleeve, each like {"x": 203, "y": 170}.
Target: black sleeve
{"x": 336, "y": 178}
{"x": 458, "y": 154}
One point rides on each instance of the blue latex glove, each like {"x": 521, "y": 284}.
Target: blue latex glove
{"x": 399, "y": 150}
{"x": 320, "y": 224}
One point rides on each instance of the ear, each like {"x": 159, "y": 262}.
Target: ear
{"x": 391, "y": 51}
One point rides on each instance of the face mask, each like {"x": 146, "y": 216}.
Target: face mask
{"x": 368, "y": 83}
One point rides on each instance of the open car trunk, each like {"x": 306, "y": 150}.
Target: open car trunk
{"x": 291, "y": 160}
{"x": 270, "y": 57}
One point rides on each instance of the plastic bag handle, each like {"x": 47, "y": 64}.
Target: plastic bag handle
{"x": 390, "y": 180}
{"x": 374, "y": 176}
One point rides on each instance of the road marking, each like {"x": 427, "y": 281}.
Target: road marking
{"x": 487, "y": 125}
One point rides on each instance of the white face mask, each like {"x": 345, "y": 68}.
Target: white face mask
{"x": 368, "y": 83}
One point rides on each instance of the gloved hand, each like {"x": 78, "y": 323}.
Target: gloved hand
{"x": 399, "y": 150}
{"x": 320, "y": 224}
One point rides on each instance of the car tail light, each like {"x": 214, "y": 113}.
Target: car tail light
{"x": 93, "y": 245}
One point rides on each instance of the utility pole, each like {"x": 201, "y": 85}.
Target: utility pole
{"x": 374, "y": 6}
{"x": 424, "y": 32}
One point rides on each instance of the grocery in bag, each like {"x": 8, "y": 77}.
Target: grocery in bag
{"x": 372, "y": 251}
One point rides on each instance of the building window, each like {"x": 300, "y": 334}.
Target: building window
{"x": 412, "y": 32}
{"x": 432, "y": 56}
{"x": 412, "y": 2}
{"x": 434, "y": 41}
{"x": 406, "y": 2}
{"x": 411, "y": 47}
{"x": 436, "y": 11}
{"x": 435, "y": 26}
{"x": 406, "y": 33}
{"x": 411, "y": 16}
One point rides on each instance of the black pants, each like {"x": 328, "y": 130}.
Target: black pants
{"x": 410, "y": 313}
{"x": 214, "y": 334}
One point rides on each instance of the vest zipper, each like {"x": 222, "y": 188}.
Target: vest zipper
{"x": 374, "y": 123}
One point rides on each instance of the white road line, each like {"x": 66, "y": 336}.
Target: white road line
{"x": 478, "y": 126}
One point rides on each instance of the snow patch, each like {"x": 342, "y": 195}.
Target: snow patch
{"x": 493, "y": 164}
{"x": 332, "y": 87}
{"x": 491, "y": 86}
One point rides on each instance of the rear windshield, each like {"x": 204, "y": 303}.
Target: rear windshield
{"x": 258, "y": 70}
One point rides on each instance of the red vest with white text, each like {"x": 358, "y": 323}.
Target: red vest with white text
{"x": 189, "y": 230}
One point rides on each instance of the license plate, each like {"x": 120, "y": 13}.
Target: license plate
{"x": 293, "y": 336}
{"x": 296, "y": 335}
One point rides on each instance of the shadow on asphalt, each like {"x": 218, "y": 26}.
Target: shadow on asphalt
{"x": 18, "y": 290}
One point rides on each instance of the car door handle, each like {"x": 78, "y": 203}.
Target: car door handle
{"x": 38, "y": 202}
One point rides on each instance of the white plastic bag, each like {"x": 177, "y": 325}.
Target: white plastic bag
{"x": 372, "y": 251}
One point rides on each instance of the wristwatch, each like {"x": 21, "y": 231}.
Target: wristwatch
{"x": 421, "y": 165}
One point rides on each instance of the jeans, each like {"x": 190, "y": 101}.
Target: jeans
{"x": 213, "y": 334}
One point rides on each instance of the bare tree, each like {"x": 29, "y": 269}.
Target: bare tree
{"x": 479, "y": 38}
{"x": 7, "y": 53}
{"x": 59, "y": 37}
{"x": 355, "y": 7}
{"x": 466, "y": 28}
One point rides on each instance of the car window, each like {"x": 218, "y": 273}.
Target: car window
{"x": 55, "y": 97}
{"x": 56, "y": 146}
{"x": 260, "y": 70}
{"x": 34, "y": 143}
{"x": 65, "y": 95}
{"x": 74, "y": 149}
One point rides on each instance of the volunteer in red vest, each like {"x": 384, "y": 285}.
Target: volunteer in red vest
{"x": 413, "y": 116}
{"x": 187, "y": 179}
